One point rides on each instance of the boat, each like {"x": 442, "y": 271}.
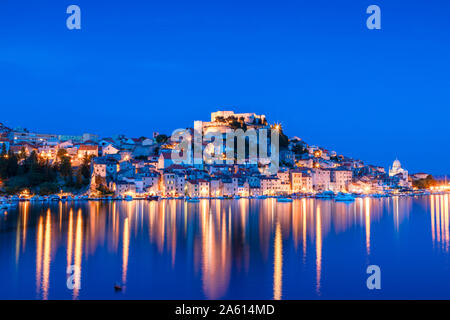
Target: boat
{"x": 284, "y": 200}
{"x": 5, "y": 204}
{"x": 37, "y": 198}
{"x": 236, "y": 197}
{"x": 377, "y": 195}
{"x": 344, "y": 197}
{"x": 193, "y": 200}
{"x": 152, "y": 198}
{"x": 325, "y": 195}
{"x": 261, "y": 197}
{"x": 128, "y": 198}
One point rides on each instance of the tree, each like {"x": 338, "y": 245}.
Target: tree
{"x": 104, "y": 190}
{"x": 299, "y": 149}
{"x": 61, "y": 153}
{"x": 426, "y": 183}
{"x": 12, "y": 164}
{"x": 162, "y": 138}
{"x": 85, "y": 168}
{"x": 22, "y": 154}
{"x": 48, "y": 188}
{"x": 65, "y": 167}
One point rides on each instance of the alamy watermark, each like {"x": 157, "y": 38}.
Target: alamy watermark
{"x": 374, "y": 280}
{"x": 74, "y": 20}
{"x": 374, "y": 20}
{"x": 73, "y": 277}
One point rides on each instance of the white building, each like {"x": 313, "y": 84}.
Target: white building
{"x": 397, "y": 171}
{"x": 321, "y": 179}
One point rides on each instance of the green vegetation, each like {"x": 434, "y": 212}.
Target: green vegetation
{"x": 104, "y": 191}
{"x": 162, "y": 138}
{"x": 20, "y": 172}
{"x": 299, "y": 149}
{"x": 425, "y": 183}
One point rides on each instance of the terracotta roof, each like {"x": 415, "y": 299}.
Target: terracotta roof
{"x": 84, "y": 147}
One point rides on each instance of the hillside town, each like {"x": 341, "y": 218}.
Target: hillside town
{"x": 119, "y": 167}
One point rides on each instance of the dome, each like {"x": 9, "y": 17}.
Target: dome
{"x": 397, "y": 164}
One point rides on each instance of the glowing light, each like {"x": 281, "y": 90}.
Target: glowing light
{"x": 278, "y": 264}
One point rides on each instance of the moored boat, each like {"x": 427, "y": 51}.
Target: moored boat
{"x": 325, "y": 195}
{"x": 344, "y": 197}
{"x": 284, "y": 200}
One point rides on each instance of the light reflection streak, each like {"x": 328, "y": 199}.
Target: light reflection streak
{"x": 125, "y": 251}
{"x": 26, "y": 208}
{"x": 224, "y": 236}
{"x": 440, "y": 221}
{"x": 78, "y": 254}
{"x": 367, "y": 224}
{"x": 39, "y": 240}
{"x": 278, "y": 263}
{"x": 318, "y": 249}
{"x": 47, "y": 255}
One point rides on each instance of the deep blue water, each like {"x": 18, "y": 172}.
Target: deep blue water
{"x": 227, "y": 249}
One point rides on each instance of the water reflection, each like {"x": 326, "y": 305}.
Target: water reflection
{"x": 278, "y": 264}
{"x": 440, "y": 221}
{"x": 318, "y": 249}
{"x": 218, "y": 240}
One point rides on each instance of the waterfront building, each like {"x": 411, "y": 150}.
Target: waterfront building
{"x": 124, "y": 187}
{"x": 255, "y": 192}
{"x": 150, "y": 181}
{"x": 321, "y": 179}
{"x": 168, "y": 187}
{"x": 340, "y": 179}
{"x": 180, "y": 184}
{"x": 197, "y": 188}
{"x": 230, "y": 186}
{"x": 301, "y": 181}
{"x": 269, "y": 185}
{"x": 216, "y": 187}
{"x": 243, "y": 189}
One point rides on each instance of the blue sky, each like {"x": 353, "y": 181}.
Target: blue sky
{"x": 141, "y": 66}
